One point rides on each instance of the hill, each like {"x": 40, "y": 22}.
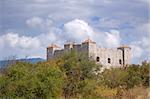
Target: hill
{"x": 5, "y": 63}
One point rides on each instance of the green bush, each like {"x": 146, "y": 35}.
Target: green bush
{"x": 128, "y": 77}
{"x": 69, "y": 76}
{"x": 23, "y": 80}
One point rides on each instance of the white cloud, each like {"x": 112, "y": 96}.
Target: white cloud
{"x": 136, "y": 51}
{"x": 23, "y": 42}
{"x": 131, "y": 21}
{"x": 39, "y": 23}
{"x": 113, "y": 38}
{"x": 146, "y": 1}
{"x": 48, "y": 38}
{"x": 141, "y": 49}
{"x": 144, "y": 29}
{"x": 1, "y": 43}
{"x": 78, "y": 30}
{"x": 20, "y": 46}
{"x": 35, "y": 22}
{"x": 40, "y": 1}
{"x": 13, "y": 44}
{"x": 146, "y": 42}
{"x": 109, "y": 23}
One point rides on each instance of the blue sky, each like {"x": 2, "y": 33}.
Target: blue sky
{"x": 27, "y": 27}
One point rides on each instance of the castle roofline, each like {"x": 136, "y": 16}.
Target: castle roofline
{"x": 89, "y": 41}
{"x": 124, "y": 46}
{"x": 69, "y": 43}
{"x": 53, "y": 46}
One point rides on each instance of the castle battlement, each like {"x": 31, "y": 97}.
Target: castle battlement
{"x": 119, "y": 56}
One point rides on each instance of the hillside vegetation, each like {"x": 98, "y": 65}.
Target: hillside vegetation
{"x": 72, "y": 77}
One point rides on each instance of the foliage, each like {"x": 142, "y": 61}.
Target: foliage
{"x": 145, "y": 74}
{"x": 128, "y": 77}
{"x": 24, "y": 80}
{"x": 71, "y": 76}
{"x": 114, "y": 77}
{"x": 80, "y": 79}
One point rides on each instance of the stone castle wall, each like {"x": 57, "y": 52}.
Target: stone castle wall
{"x": 117, "y": 57}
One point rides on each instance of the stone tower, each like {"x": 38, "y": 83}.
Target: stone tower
{"x": 89, "y": 46}
{"x": 126, "y": 54}
{"x": 51, "y": 50}
{"x": 68, "y": 45}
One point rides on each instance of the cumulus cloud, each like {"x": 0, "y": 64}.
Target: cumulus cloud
{"x": 48, "y": 38}
{"x": 131, "y": 23}
{"x": 113, "y": 38}
{"x": 141, "y": 50}
{"x": 22, "y": 46}
{"x": 141, "y": 46}
{"x": 35, "y": 22}
{"x": 109, "y": 23}
{"x": 23, "y": 42}
{"x": 144, "y": 29}
{"x": 136, "y": 50}
{"x": 14, "y": 44}
{"x": 78, "y": 30}
{"x": 38, "y": 22}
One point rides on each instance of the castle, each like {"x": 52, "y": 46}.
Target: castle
{"x": 114, "y": 57}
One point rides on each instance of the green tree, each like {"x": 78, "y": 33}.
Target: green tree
{"x": 24, "y": 80}
{"x": 144, "y": 71}
{"x": 134, "y": 77}
{"x": 114, "y": 77}
{"x": 80, "y": 80}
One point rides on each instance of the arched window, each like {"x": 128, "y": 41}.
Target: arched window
{"x": 97, "y": 59}
{"x": 120, "y": 62}
{"x": 109, "y": 60}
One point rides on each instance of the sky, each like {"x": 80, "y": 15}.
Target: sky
{"x": 27, "y": 27}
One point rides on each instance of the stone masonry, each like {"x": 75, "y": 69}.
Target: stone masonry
{"x": 114, "y": 57}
